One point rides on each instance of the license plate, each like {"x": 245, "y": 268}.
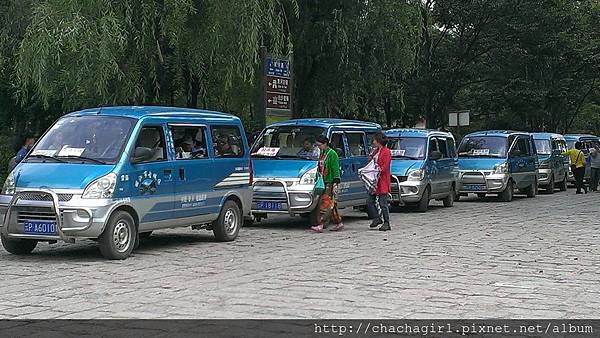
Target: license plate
{"x": 474, "y": 187}
{"x": 39, "y": 228}
{"x": 269, "y": 205}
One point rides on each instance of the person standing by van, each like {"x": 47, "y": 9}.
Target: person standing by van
{"x": 595, "y": 164}
{"x": 377, "y": 202}
{"x": 577, "y": 166}
{"x": 329, "y": 168}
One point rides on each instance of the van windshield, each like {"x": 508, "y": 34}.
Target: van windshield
{"x": 483, "y": 146}
{"x": 295, "y": 142}
{"x": 543, "y": 147}
{"x": 84, "y": 139}
{"x": 408, "y": 148}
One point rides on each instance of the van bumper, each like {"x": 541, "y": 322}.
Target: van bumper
{"x": 544, "y": 176}
{"x": 404, "y": 191}
{"x": 481, "y": 182}
{"x": 280, "y": 196}
{"x": 74, "y": 218}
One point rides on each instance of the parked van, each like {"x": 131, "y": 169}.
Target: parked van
{"x": 285, "y": 164}
{"x": 588, "y": 142}
{"x": 424, "y": 167}
{"x": 553, "y": 167}
{"x": 498, "y": 162}
{"x": 116, "y": 174}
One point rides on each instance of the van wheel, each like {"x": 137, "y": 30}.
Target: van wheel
{"x": 18, "y": 246}
{"x": 550, "y": 187}
{"x": 119, "y": 238}
{"x": 227, "y": 226}
{"x": 509, "y": 191}
{"x": 562, "y": 186}
{"x": 532, "y": 190}
{"x": 449, "y": 200}
{"x": 423, "y": 204}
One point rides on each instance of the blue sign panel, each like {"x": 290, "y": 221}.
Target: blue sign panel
{"x": 278, "y": 67}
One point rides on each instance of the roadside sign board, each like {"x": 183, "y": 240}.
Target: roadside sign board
{"x": 459, "y": 119}
{"x": 276, "y": 92}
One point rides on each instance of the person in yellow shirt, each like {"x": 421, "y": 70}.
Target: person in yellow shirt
{"x": 577, "y": 166}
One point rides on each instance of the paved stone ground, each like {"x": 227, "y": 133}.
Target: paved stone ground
{"x": 482, "y": 258}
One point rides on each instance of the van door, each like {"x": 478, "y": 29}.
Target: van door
{"x": 445, "y": 166}
{"x": 193, "y": 205}
{"x": 357, "y": 153}
{"x": 230, "y": 168}
{"x": 518, "y": 162}
{"x": 152, "y": 181}
{"x": 338, "y": 143}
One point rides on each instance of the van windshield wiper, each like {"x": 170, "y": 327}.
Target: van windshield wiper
{"x": 46, "y": 157}
{"x": 84, "y": 159}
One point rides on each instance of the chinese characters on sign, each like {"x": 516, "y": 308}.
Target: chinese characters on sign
{"x": 277, "y": 86}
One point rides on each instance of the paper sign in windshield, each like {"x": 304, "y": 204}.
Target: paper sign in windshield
{"x": 43, "y": 152}
{"x": 68, "y": 151}
{"x": 398, "y": 152}
{"x": 268, "y": 151}
{"x": 480, "y": 152}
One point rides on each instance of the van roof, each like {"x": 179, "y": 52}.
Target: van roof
{"x": 545, "y": 136}
{"x": 503, "y": 133}
{"x": 579, "y": 136}
{"x": 139, "y": 112}
{"x": 412, "y": 132}
{"x": 326, "y": 123}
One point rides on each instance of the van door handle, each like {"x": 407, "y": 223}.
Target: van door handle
{"x": 182, "y": 174}
{"x": 168, "y": 171}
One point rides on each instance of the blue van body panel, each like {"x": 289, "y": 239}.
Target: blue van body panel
{"x": 284, "y": 169}
{"x": 162, "y": 193}
{"x": 440, "y": 177}
{"x": 477, "y": 174}
{"x": 59, "y": 175}
{"x": 277, "y": 181}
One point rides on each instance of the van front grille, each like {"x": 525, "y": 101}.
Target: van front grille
{"x": 25, "y": 214}
{"x": 42, "y": 197}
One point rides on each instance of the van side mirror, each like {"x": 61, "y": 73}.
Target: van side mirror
{"x": 435, "y": 155}
{"x": 142, "y": 154}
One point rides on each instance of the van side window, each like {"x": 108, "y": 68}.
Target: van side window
{"x": 227, "y": 141}
{"x": 189, "y": 142}
{"x": 370, "y": 137}
{"x": 443, "y": 147}
{"x": 356, "y": 144}
{"x": 451, "y": 147}
{"x": 521, "y": 148}
{"x": 337, "y": 144}
{"x": 433, "y": 146}
{"x": 153, "y": 138}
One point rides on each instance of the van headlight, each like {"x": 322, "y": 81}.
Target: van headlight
{"x": 416, "y": 175}
{"x": 500, "y": 169}
{"x": 102, "y": 187}
{"x": 309, "y": 177}
{"x": 9, "y": 185}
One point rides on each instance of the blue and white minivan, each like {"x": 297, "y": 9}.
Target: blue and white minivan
{"x": 554, "y": 167}
{"x": 116, "y": 174}
{"x": 587, "y": 142}
{"x": 424, "y": 167}
{"x": 498, "y": 162}
{"x": 285, "y": 164}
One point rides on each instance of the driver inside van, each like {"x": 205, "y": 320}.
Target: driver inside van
{"x": 150, "y": 138}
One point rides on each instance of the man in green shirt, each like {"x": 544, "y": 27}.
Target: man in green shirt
{"x": 329, "y": 168}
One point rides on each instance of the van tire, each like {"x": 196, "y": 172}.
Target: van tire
{"x": 18, "y": 246}
{"x": 423, "y": 204}
{"x": 227, "y": 226}
{"x": 508, "y": 193}
{"x": 449, "y": 200}
{"x": 562, "y": 186}
{"x": 531, "y": 191}
{"x": 119, "y": 237}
